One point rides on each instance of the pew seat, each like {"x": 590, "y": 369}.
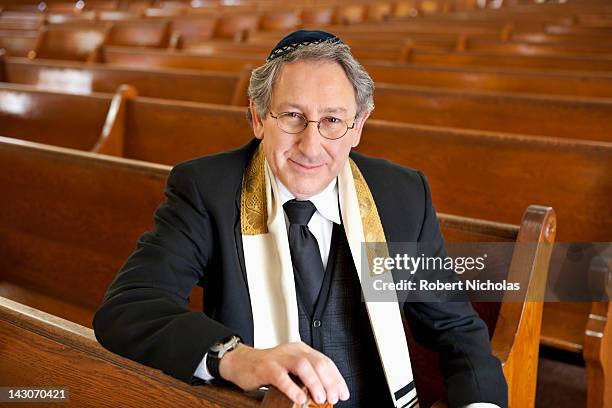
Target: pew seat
{"x": 115, "y": 198}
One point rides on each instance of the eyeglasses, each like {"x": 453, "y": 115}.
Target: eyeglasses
{"x": 329, "y": 127}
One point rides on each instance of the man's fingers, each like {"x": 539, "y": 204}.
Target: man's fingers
{"x": 333, "y": 382}
{"x": 286, "y": 385}
{"x": 302, "y": 367}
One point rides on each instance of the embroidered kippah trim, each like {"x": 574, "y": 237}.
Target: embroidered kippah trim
{"x": 277, "y": 52}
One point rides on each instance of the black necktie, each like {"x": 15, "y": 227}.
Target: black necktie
{"x": 305, "y": 254}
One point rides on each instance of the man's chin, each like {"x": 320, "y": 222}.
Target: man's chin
{"x": 305, "y": 190}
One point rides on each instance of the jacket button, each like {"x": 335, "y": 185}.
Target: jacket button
{"x": 316, "y": 323}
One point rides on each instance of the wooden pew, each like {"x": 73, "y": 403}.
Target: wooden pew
{"x": 140, "y": 33}
{"x": 278, "y": 20}
{"x": 109, "y": 125}
{"x": 498, "y": 162}
{"x": 576, "y": 83}
{"x": 74, "y": 121}
{"x": 236, "y": 26}
{"x": 511, "y": 113}
{"x": 473, "y": 58}
{"x": 18, "y": 43}
{"x": 69, "y": 18}
{"x": 70, "y": 43}
{"x": 559, "y": 116}
{"x": 590, "y": 47}
{"x": 510, "y": 79}
{"x": 111, "y": 203}
{"x": 149, "y": 126}
{"x": 573, "y": 170}
{"x": 175, "y": 59}
{"x": 193, "y": 29}
{"x": 11, "y": 20}
{"x": 84, "y": 78}
{"x": 41, "y": 350}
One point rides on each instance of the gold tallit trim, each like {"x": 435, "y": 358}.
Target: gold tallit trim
{"x": 253, "y": 209}
{"x": 373, "y": 232}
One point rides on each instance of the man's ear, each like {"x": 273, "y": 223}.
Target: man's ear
{"x": 258, "y": 127}
{"x": 359, "y": 127}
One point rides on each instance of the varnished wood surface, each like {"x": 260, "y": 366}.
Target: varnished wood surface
{"x": 140, "y": 33}
{"x": 598, "y": 355}
{"x": 68, "y": 43}
{"x": 217, "y": 87}
{"x": 146, "y": 181}
{"x": 475, "y": 58}
{"x": 565, "y": 117}
{"x": 592, "y": 84}
{"x": 126, "y": 56}
{"x": 41, "y": 350}
{"x": 68, "y": 236}
{"x": 211, "y": 87}
{"x": 573, "y": 170}
{"x": 68, "y": 120}
{"x": 564, "y": 325}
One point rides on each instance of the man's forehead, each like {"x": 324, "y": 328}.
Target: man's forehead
{"x": 319, "y": 85}
{"x": 289, "y": 105}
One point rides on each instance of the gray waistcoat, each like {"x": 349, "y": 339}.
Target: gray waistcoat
{"x": 340, "y": 329}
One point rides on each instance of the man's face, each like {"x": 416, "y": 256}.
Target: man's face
{"x": 306, "y": 162}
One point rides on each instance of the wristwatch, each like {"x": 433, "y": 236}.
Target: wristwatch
{"x": 217, "y": 351}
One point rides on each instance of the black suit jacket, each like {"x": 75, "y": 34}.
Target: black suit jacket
{"x": 196, "y": 241}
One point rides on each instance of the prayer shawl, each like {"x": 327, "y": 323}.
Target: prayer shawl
{"x": 270, "y": 271}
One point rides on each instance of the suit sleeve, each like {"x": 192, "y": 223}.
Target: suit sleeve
{"x": 144, "y": 315}
{"x": 455, "y": 330}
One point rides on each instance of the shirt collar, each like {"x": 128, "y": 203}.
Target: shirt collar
{"x": 326, "y": 202}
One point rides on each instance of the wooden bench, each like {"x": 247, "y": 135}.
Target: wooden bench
{"x": 589, "y": 47}
{"x": 21, "y": 21}
{"x": 544, "y": 115}
{"x": 549, "y": 170}
{"x": 473, "y": 58}
{"x": 194, "y": 29}
{"x": 575, "y": 83}
{"x": 511, "y": 113}
{"x": 18, "y": 43}
{"x": 511, "y": 79}
{"x": 49, "y": 117}
{"x": 42, "y": 350}
{"x": 84, "y": 78}
{"x": 49, "y": 242}
{"x": 498, "y": 162}
{"x": 70, "y": 43}
{"x": 175, "y": 59}
{"x": 140, "y": 33}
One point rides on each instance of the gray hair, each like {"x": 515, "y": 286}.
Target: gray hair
{"x": 264, "y": 77}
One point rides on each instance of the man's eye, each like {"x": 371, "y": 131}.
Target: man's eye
{"x": 333, "y": 120}
{"x": 294, "y": 115}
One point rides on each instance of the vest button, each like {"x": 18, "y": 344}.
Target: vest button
{"x": 316, "y": 323}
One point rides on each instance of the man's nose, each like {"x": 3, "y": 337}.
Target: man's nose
{"x": 310, "y": 140}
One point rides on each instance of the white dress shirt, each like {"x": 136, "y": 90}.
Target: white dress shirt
{"x": 321, "y": 225}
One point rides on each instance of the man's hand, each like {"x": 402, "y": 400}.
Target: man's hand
{"x": 251, "y": 368}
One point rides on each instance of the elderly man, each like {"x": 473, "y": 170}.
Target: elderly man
{"x": 273, "y": 232}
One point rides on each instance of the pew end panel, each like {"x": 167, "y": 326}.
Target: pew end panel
{"x": 521, "y": 360}
{"x": 513, "y": 325}
{"x": 112, "y": 139}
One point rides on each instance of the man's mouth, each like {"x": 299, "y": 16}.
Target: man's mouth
{"x": 306, "y": 166}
